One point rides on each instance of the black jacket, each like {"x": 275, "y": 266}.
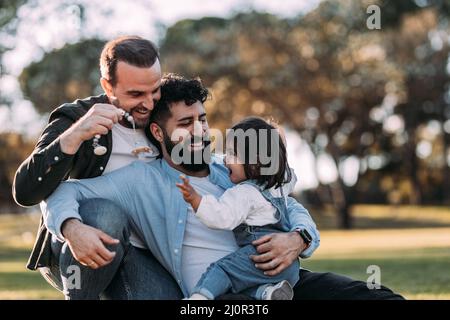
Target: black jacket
{"x": 41, "y": 173}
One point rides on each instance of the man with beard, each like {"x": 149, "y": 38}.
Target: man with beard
{"x": 148, "y": 194}
{"x": 88, "y": 138}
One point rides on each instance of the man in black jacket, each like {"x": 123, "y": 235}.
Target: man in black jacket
{"x": 130, "y": 78}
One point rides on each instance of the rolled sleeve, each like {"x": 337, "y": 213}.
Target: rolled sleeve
{"x": 54, "y": 221}
{"x": 300, "y": 218}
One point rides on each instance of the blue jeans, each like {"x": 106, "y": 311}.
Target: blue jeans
{"x": 237, "y": 272}
{"x": 133, "y": 274}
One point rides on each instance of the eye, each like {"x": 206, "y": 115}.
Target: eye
{"x": 136, "y": 94}
{"x": 185, "y": 123}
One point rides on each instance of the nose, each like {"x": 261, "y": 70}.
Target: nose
{"x": 198, "y": 128}
{"x": 149, "y": 103}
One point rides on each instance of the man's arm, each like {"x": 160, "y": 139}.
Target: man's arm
{"x": 52, "y": 159}
{"x": 61, "y": 216}
{"x": 277, "y": 251}
{"x": 299, "y": 218}
{"x": 45, "y": 168}
{"x": 63, "y": 203}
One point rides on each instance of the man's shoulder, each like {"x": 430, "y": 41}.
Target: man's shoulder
{"x": 217, "y": 159}
{"x": 76, "y": 109}
{"x": 151, "y": 169}
{"x": 217, "y": 162}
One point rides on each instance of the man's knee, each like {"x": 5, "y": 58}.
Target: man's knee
{"x": 106, "y": 216}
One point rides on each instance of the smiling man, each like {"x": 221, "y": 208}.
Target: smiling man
{"x": 98, "y": 242}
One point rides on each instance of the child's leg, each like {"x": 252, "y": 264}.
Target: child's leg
{"x": 237, "y": 272}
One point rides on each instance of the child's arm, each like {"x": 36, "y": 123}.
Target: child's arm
{"x": 189, "y": 194}
{"x": 226, "y": 212}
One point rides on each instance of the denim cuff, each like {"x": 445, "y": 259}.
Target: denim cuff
{"x": 204, "y": 292}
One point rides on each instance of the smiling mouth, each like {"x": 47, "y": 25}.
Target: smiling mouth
{"x": 196, "y": 146}
{"x": 142, "y": 111}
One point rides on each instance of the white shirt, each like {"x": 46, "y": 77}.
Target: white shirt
{"x": 202, "y": 245}
{"x": 124, "y": 141}
{"x": 241, "y": 204}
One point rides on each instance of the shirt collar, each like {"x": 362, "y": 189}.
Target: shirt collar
{"x": 214, "y": 176}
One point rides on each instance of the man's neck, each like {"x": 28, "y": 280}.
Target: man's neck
{"x": 199, "y": 174}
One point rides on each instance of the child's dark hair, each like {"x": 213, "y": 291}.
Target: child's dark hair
{"x": 253, "y": 170}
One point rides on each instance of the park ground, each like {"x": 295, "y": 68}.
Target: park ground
{"x": 410, "y": 245}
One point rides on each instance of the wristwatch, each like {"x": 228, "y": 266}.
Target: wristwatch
{"x": 305, "y": 236}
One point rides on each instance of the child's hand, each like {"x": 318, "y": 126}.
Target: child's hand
{"x": 189, "y": 194}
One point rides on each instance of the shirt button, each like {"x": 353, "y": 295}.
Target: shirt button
{"x": 101, "y": 168}
{"x": 40, "y": 179}
{"x": 56, "y": 158}
{"x": 179, "y": 281}
{"x": 176, "y": 251}
{"x": 180, "y": 221}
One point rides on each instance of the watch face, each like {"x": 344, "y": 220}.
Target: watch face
{"x": 306, "y": 236}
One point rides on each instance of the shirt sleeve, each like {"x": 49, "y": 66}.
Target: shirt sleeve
{"x": 63, "y": 204}
{"x": 41, "y": 173}
{"x": 228, "y": 211}
{"x": 299, "y": 218}
{"x": 288, "y": 188}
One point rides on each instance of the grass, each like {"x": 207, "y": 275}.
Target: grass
{"x": 411, "y": 245}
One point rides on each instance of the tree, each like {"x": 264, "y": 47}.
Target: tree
{"x": 63, "y": 75}
{"x": 8, "y": 25}
{"x": 336, "y": 83}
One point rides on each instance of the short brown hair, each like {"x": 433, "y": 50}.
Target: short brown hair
{"x": 133, "y": 50}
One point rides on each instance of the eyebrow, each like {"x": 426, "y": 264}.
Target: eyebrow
{"x": 134, "y": 91}
{"x": 191, "y": 117}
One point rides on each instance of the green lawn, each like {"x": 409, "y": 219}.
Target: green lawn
{"x": 413, "y": 261}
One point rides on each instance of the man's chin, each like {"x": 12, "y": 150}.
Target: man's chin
{"x": 141, "y": 123}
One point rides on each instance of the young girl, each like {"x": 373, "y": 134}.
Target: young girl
{"x": 255, "y": 207}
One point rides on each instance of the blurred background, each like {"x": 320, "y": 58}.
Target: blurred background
{"x": 367, "y": 113}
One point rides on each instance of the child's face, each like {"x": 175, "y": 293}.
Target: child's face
{"x": 237, "y": 173}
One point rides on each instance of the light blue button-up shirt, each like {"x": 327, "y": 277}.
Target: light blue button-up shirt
{"x": 157, "y": 210}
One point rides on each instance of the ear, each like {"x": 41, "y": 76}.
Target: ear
{"x": 107, "y": 87}
{"x": 157, "y": 132}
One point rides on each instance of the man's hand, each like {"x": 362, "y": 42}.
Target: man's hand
{"x": 277, "y": 251}
{"x": 98, "y": 120}
{"x": 189, "y": 194}
{"x": 87, "y": 244}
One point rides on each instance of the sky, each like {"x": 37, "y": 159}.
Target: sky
{"x": 46, "y": 25}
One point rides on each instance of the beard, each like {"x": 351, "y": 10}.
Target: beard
{"x": 194, "y": 160}
{"x": 140, "y": 123}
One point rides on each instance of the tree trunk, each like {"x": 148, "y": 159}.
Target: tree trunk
{"x": 342, "y": 201}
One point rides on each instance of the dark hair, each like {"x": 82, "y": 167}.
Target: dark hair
{"x": 133, "y": 50}
{"x": 253, "y": 171}
{"x": 175, "y": 88}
